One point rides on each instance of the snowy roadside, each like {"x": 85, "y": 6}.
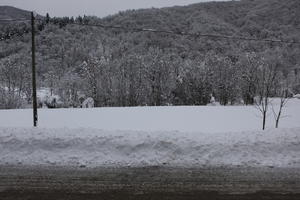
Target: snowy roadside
{"x": 94, "y": 148}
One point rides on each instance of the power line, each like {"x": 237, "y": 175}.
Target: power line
{"x": 180, "y": 33}
{"x": 196, "y": 35}
{"x": 15, "y": 20}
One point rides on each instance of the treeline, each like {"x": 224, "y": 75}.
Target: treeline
{"x": 121, "y": 68}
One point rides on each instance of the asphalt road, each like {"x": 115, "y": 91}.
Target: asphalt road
{"x": 155, "y": 183}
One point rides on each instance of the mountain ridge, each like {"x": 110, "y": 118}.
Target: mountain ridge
{"x": 10, "y": 12}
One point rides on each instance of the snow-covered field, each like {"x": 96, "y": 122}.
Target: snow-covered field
{"x": 174, "y": 136}
{"x": 185, "y": 118}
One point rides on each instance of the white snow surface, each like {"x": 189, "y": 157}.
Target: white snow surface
{"x": 94, "y": 148}
{"x": 169, "y": 118}
{"x": 192, "y": 136}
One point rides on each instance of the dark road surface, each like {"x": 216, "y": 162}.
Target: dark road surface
{"x": 155, "y": 183}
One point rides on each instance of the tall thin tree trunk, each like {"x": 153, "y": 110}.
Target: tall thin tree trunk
{"x": 278, "y": 116}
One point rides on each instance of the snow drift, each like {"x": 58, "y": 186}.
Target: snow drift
{"x": 93, "y": 148}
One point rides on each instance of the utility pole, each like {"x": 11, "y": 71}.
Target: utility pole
{"x": 34, "y": 98}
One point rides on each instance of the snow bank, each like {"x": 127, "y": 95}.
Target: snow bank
{"x": 92, "y": 148}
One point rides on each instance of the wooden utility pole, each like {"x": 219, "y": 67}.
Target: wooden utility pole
{"x": 34, "y": 98}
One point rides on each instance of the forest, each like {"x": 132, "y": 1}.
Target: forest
{"x": 116, "y": 67}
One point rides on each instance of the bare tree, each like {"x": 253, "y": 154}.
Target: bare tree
{"x": 284, "y": 94}
{"x": 267, "y": 75}
{"x": 278, "y": 115}
{"x": 93, "y": 71}
{"x": 249, "y": 77}
{"x": 14, "y": 73}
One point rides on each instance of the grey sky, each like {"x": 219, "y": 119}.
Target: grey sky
{"x": 90, "y": 7}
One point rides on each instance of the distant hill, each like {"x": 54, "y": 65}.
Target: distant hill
{"x": 9, "y": 12}
{"x": 260, "y": 18}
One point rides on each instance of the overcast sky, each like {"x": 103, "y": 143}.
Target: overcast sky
{"x": 99, "y": 8}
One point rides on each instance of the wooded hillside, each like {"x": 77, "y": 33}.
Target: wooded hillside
{"x": 118, "y": 67}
